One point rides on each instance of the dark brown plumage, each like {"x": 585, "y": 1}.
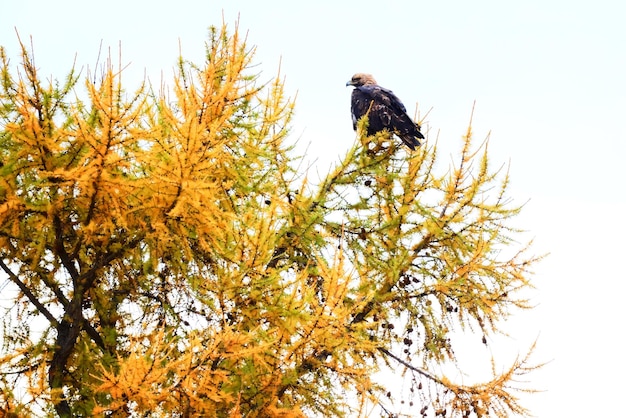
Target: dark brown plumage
{"x": 384, "y": 110}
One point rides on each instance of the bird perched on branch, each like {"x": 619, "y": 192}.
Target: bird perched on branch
{"x": 384, "y": 110}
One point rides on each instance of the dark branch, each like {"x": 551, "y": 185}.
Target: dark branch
{"x": 33, "y": 299}
{"x": 410, "y": 366}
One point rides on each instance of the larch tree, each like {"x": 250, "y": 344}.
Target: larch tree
{"x": 162, "y": 254}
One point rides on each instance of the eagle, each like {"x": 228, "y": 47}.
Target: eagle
{"x": 384, "y": 110}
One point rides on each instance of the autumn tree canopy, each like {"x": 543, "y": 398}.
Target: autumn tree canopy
{"x": 163, "y": 253}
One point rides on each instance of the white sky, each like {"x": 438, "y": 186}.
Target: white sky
{"x": 549, "y": 79}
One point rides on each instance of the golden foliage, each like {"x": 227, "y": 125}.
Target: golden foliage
{"x": 182, "y": 267}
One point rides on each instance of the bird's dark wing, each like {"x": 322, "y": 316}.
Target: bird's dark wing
{"x": 377, "y": 103}
{"x": 387, "y": 97}
{"x": 386, "y": 111}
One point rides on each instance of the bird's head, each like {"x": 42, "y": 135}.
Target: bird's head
{"x": 361, "y": 79}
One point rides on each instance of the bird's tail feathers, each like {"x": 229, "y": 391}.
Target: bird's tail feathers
{"x": 411, "y": 141}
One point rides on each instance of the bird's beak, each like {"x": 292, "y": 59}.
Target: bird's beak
{"x": 349, "y": 83}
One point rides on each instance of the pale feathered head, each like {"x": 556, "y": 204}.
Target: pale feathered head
{"x": 361, "y": 79}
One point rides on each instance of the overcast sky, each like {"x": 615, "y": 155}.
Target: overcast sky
{"x": 549, "y": 82}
